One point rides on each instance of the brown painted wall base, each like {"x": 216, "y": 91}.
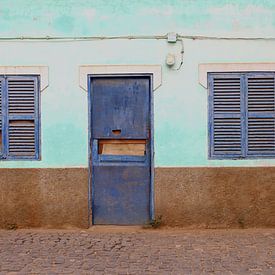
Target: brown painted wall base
{"x": 189, "y": 197}
{"x": 216, "y": 197}
{"x": 55, "y": 198}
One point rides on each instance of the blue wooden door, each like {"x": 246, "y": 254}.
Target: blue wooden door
{"x": 121, "y": 149}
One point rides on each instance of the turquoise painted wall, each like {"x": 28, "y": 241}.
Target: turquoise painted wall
{"x": 180, "y": 103}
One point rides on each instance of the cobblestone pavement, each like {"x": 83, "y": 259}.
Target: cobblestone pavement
{"x": 139, "y": 251}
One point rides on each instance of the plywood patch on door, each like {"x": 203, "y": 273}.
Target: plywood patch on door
{"x": 122, "y": 147}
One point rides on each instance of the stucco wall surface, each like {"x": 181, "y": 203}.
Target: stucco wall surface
{"x": 53, "y": 198}
{"x": 190, "y": 197}
{"x": 216, "y": 197}
{"x": 98, "y": 17}
{"x": 180, "y": 104}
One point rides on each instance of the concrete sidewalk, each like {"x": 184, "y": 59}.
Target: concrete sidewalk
{"x": 132, "y": 250}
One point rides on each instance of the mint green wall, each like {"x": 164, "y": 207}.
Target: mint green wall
{"x": 113, "y": 17}
{"x": 180, "y": 103}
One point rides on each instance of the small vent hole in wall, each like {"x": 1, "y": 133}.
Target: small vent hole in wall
{"x": 116, "y": 132}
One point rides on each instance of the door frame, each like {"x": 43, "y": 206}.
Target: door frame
{"x": 90, "y": 128}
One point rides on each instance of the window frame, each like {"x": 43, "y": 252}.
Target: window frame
{"x": 243, "y": 115}
{"x": 5, "y": 117}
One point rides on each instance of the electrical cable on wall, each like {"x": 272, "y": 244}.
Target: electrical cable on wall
{"x": 181, "y": 55}
{"x": 130, "y": 37}
{"x": 170, "y": 37}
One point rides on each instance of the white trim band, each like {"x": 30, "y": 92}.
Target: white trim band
{"x": 85, "y": 70}
{"x": 43, "y": 71}
{"x": 204, "y": 69}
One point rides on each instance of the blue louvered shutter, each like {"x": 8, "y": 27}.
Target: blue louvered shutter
{"x": 225, "y": 116}
{"x": 1, "y": 115}
{"x": 22, "y": 117}
{"x": 261, "y": 114}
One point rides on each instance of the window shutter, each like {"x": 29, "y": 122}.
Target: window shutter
{"x": 1, "y": 115}
{"x": 22, "y": 116}
{"x": 261, "y": 114}
{"x": 225, "y": 107}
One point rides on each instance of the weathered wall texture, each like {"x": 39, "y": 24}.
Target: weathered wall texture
{"x": 189, "y": 197}
{"x": 55, "y": 198}
{"x": 216, "y": 197}
{"x": 180, "y": 104}
{"x": 205, "y": 197}
{"x": 99, "y": 17}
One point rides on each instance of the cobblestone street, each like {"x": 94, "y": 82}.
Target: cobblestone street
{"x": 110, "y": 250}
